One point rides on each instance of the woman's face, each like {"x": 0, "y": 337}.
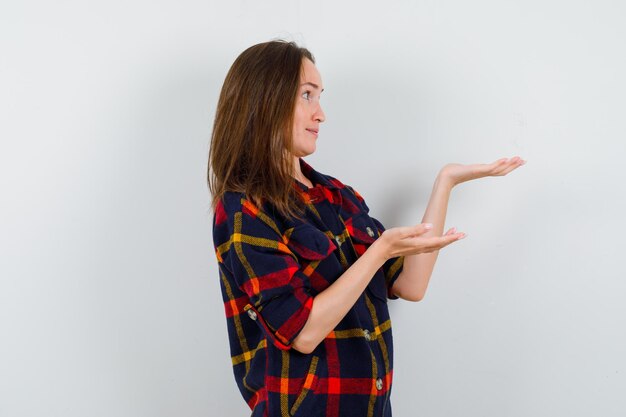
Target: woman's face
{"x": 308, "y": 113}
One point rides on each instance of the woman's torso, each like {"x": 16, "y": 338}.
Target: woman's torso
{"x": 350, "y": 372}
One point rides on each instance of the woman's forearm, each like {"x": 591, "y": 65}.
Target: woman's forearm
{"x": 331, "y": 305}
{"x": 412, "y": 282}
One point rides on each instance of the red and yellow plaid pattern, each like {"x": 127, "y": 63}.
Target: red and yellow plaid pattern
{"x": 271, "y": 268}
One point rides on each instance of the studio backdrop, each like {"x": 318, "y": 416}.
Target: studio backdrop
{"x": 110, "y": 301}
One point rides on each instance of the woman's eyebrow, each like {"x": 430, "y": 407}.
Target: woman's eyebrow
{"x": 312, "y": 85}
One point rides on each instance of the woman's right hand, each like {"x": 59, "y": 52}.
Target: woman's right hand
{"x": 409, "y": 240}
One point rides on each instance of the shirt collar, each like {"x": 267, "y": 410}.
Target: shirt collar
{"x": 315, "y": 177}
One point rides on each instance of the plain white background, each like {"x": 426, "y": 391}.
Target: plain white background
{"x": 109, "y": 295}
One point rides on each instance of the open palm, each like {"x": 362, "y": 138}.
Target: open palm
{"x": 459, "y": 173}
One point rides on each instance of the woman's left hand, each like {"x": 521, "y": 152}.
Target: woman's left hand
{"x": 458, "y": 173}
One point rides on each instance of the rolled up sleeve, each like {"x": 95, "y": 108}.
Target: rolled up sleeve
{"x": 255, "y": 256}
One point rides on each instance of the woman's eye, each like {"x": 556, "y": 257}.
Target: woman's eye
{"x": 307, "y": 93}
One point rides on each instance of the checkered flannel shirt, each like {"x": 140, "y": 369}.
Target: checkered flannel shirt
{"x": 270, "y": 270}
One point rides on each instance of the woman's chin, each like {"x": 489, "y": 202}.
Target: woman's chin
{"x": 301, "y": 153}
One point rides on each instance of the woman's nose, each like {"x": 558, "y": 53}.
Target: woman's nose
{"x": 319, "y": 114}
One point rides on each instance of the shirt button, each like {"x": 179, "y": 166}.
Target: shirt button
{"x": 252, "y": 314}
{"x": 369, "y": 231}
{"x": 379, "y": 384}
{"x": 338, "y": 239}
{"x": 367, "y": 335}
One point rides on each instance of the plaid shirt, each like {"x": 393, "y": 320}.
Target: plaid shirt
{"x": 270, "y": 269}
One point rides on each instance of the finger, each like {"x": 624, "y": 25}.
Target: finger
{"x": 429, "y": 244}
{"x": 506, "y": 161}
{"x": 506, "y": 171}
{"x": 500, "y": 162}
{"x": 411, "y": 231}
{"x": 498, "y": 166}
{"x": 513, "y": 166}
{"x": 446, "y": 240}
{"x": 449, "y": 232}
{"x": 435, "y": 246}
{"x": 507, "y": 167}
{"x": 500, "y": 171}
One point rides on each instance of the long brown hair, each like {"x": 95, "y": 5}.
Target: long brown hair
{"x": 252, "y": 141}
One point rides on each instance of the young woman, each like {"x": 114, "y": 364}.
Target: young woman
{"x": 305, "y": 271}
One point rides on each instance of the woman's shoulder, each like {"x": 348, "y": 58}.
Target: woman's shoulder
{"x": 238, "y": 207}
{"x": 233, "y": 202}
{"x": 237, "y": 215}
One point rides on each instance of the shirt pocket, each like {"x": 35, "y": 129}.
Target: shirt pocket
{"x": 305, "y": 400}
{"x": 308, "y": 242}
{"x": 363, "y": 232}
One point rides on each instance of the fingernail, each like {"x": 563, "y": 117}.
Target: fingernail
{"x": 428, "y": 226}
{"x": 463, "y": 235}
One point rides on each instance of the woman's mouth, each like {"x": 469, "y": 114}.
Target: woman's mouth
{"x": 313, "y": 132}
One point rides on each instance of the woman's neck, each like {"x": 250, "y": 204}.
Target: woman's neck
{"x": 297, "y": 172}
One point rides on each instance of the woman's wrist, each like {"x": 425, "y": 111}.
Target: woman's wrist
{"x": 379, "y": 251}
